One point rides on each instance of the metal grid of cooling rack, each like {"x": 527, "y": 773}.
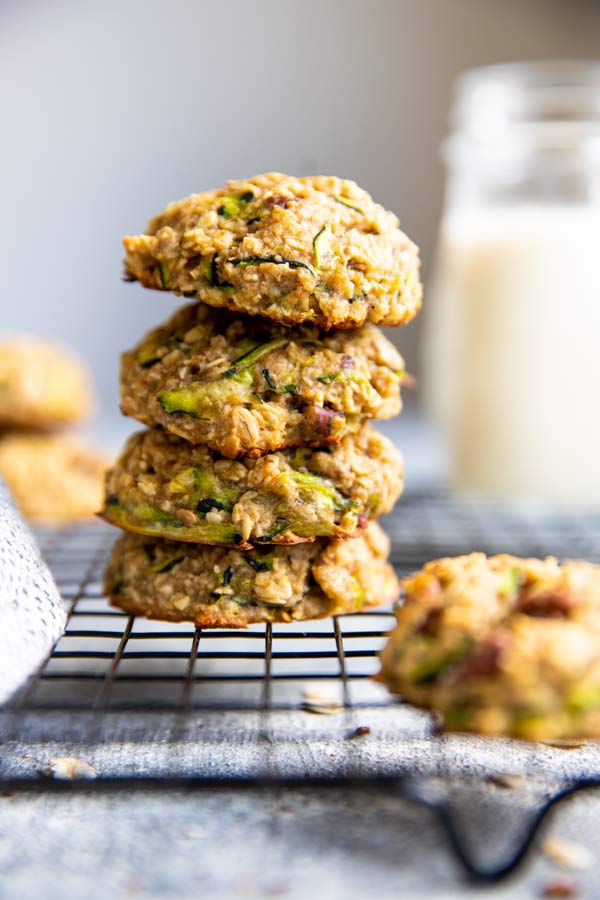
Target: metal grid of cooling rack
{"x": 108, "y": 660}
{"x": 109, "y": 664}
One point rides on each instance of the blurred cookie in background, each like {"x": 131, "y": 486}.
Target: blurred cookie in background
{"x": 43, "y": 386}
{"x": 52, "y": 477}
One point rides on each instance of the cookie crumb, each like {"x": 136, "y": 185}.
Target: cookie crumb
{"x": 321, "y": 701}
{"x": 507, "y": 781}
{"x": 68, "y": 768}
{"x": 560, "y": 887}
{"x": 566, "y": 744}
{"x": 359, "y": 732}
{"x": 567, "y": 853}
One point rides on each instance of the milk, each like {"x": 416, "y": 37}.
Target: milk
{"x": 512, "y": 367}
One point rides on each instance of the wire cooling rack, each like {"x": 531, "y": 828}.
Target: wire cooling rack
{"x": 165, "y": 702}
{"x": 108, "y": 660}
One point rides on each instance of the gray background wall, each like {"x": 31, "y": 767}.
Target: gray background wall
{"x": 109, "y": 109}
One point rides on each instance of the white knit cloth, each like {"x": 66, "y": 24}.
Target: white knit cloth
{"x": 32, "y": 616}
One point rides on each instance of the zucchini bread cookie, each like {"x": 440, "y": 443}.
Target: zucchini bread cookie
{"x": 315, "y": 250}
{"x": 166, "y": 487}
{"x": 42, "y": 386}
{"x": 52, "y": 477}
{"x": 501, "y": 645}
{"x": 216, "y": 587}
{"x": 245, "y": 386}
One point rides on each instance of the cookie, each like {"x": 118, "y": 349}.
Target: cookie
{"x": 501, "y": 646}
{"x": 52, "y": 477}
{"x": 245, "y": 386}
{"x": 42, "y": 386}
{"x": 217, "y": 587}
{"x": 313, "y": 250}
{"x": 163, "y": 486}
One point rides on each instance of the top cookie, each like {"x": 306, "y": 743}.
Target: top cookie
{"x": 315, "y": 250}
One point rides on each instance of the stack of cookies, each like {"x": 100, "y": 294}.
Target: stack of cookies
{"x": 252, "y": 494}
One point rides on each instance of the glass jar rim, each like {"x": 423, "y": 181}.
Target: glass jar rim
{"x": 515, "y": 109}
{"x": 542, "y": 90}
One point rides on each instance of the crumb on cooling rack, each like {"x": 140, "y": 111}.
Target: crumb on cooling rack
{"x": 506, "y": 780}
{"x": 321, "y": 700}
{"x": 69, "y": 768}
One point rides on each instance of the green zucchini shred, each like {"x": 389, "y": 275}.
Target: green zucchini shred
{"x": 233, "y": 386}
{"x": 289, "y": 389}
{"x": 202, "y": 486}
{"x": 373, "y": 503}
{"x": 269, "y": 380}
{"x": 164, "y": 565}
{"x": 512, "y": 582}
{"x": 328, "y": 378}
{"x": 147, "y": 357}
{"x": 215, "y": 280}
{"x": 140, "y": 510}
{"x": 583, "y": 697}
{"x": 260, "y": 260}
{"x": 142, "y": 518}
{"x": 198, "y": 398}
{"x": 234, "y": 205}
{"x": 165, "y": 275}
{"x": 252, "y": 356}
{"x": 526, "y": 717}
{"x": 345, "y": 202}
{"x": 206, "y": 268}
{"x": 278, "y": 528}
{"x": 431, "y": 669}
{"x": 459, "y": 716}
{"x": 320, "y": 490}
{"x": 320, "y": 243}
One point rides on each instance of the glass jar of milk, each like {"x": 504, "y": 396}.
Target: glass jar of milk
{"x": 512, "y": 367}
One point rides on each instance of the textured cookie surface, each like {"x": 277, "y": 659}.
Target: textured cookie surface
{"x": 315, "y": 250}
{"x": 216, "y": 587}
{"x": 52, "y": 477}
{"x": 166, "y": 487}
{"x": 41, "y": 385}
{"x": 501, "y": 645}
{"x": 245, "y": 386}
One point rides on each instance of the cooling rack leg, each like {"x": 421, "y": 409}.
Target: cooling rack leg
{"x": 417, "y": 792}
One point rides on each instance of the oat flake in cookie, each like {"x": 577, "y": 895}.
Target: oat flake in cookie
{"x": 163, "y": 486}
{"x": 215, "y": 587}
{"x": 501, "y": 645}
{"x": 315, "y": 250}
{"x": 246, "y": 386}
